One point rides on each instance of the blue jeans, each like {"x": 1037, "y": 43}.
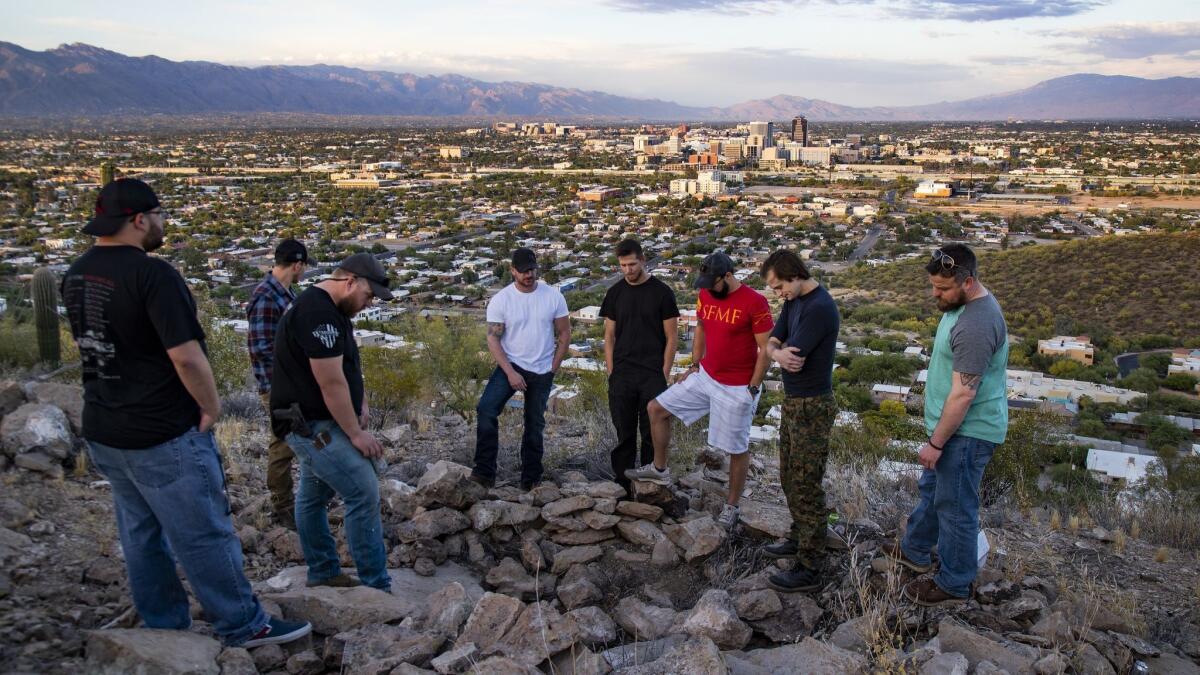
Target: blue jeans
{"x": 338, "y": 468}
{"x": 948, "y": 514}
{"x": 487, "y": 431}
{"x": 170, "y": 502}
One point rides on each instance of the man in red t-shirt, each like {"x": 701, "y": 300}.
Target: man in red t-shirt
{"x": 729, "y": 361}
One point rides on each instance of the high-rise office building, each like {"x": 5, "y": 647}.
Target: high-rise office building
{"x": 766, "y": 130}
{"x": 800, "y": 130}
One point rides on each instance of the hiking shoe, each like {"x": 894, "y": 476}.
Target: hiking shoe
{"x": 799, "y": 579}
{"x": 783, "y": 549}
{"x": 488, "y": 483}
{"x": 277, "y": 632}
{"x": 893, "y": 551}
{"x": 526, "y": 487}
{"x": 650, "y": 474}
{"x": 926, "y": 593}
{"x": 340, "y": 581}
{"x": 728, "y": 517}
{"x": 286, "y": 519}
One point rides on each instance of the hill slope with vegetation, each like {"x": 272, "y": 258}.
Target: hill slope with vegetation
{"x": 1126, "y": 287}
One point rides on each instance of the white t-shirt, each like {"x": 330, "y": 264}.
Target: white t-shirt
{"x": 528, "y": 319}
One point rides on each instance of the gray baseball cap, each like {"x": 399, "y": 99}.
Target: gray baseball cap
{"x": 368, "y": 267}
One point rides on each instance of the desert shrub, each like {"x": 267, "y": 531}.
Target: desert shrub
{"x": 393, "y": 380}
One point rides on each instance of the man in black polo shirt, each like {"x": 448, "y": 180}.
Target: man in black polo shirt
{"x": 317, "y": 369}
{"x": 641, "y": 330}
{"x": 802, "y": 343}
{"x": 149, "y": 405}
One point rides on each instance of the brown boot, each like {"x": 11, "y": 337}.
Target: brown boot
{"x": 340, "y": 581}
{"x": 926, "y": 593}
{"x": 893, "y": 551}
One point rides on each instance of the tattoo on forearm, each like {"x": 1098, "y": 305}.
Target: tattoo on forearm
{"x": 495, "y": 329}
{"x": 970, "y": 381}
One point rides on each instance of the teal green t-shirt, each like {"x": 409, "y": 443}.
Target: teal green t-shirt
{"x": 972, "y": 339}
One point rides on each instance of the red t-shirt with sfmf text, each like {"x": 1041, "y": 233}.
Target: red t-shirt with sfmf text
{"x": 730, "y": 323}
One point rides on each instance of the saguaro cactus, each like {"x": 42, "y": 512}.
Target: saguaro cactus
{"x": 108, "y": 171}
{"x": 45, "y": 311}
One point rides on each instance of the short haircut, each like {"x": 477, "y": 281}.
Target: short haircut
{"x": 965, "y": 265}
{"x": 629, "y": 247}
{"x": 786, "y": 265}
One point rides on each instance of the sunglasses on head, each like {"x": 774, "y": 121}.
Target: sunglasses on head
{"x": 943, "y": 259}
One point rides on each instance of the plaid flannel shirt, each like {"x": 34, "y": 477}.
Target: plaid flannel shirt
{"x": 267, "y": 304}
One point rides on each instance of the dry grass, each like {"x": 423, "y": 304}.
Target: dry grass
{"x": 1055, "y": 520}
{"x": 1162, "y": 554}
{"x": 1119, "y": 541}
{"x": 878, "y": 605}
{"x": 1073, "y": 524}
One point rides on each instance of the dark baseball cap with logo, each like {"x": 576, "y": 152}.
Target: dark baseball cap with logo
{"x": 368, "y": 267}
{"x": 714, "y": 267}
{"x": 118, "y": 202}
{"x": 290, "y": 251}
{"x": 523, "y": 259}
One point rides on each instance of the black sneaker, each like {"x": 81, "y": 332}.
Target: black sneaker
{"x": 277, "y": 632}
{"x": 526, "y": 487}
{"x": 488, "y": 483}
{"x": 799, "y": 579}
{"x": 783, "y": 549}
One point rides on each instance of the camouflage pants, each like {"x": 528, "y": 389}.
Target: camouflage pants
{"x": 803, "y": 449}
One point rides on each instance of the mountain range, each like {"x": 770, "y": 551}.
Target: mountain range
{"x": 82, "y": 80}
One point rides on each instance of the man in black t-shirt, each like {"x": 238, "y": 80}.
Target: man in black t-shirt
{"x": 641, "y": 324}
{"x": 802, "y": 343}
{"x": 317, "y": 369}
{"x": 149, "y": 405}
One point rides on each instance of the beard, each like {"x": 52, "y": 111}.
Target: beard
{"x": 721, "y": 294}
{"x": 153, "y": 240}
{"x": 348, "y": 307}
{"x": 947, "y": 306}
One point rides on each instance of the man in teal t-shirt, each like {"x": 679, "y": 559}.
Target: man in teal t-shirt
{"x": 966, "y": 417}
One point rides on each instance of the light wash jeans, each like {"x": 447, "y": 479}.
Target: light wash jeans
{"x": 170, "y": 504}
{"x": 338, "y": 468}
{"x": 948, "y": 514}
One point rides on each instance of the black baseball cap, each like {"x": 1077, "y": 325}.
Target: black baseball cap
{"x": 524, "y": 260}
{"x": 118, "y": 202}
{"x": 290, "y": 251}
{"x": 368, "y": 267}
{"x": 714, "y": 267}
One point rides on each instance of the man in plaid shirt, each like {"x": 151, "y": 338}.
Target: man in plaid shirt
{"x": 267, "y": 304}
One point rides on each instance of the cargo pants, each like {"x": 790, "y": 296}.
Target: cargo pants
{"x": 803, "y": 451}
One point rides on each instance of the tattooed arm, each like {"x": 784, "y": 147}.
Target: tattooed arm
{"x": 495, "y": 331}
{"x": 962, "y": 393}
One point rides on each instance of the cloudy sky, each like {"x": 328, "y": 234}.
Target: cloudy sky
{"x": 696, "y": 52}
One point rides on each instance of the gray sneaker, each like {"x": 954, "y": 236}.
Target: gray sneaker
{"x": 650, "y": 474}
{"x": 728, "y": 517}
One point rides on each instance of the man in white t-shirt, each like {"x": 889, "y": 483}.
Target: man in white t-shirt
{"x": 528, "y": 333}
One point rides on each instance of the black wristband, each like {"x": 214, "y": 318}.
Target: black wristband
{"x": 930, "y": 441}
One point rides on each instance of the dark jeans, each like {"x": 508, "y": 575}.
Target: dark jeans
{"x": 171, "y": 507}
{"x": 948, "y": 514}
{"x": 487, "y": 432}
{"x": 630, "y": 390}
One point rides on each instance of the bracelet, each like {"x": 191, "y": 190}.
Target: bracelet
{"x": 930, "y": 441}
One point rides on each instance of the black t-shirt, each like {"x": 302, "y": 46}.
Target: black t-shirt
{"x": 639, "y": 312}
{"x": 126, "y": 310}
{"x": 312, "y": 328}
{"x": 810, "y": 323}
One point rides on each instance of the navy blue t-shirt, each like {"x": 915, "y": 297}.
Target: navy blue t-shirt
{"x": 810, "y": 323}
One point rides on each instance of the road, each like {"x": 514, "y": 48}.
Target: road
{"x": 867, "y": 244}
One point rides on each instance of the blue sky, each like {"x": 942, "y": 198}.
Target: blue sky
{"x": 697, "y": 52}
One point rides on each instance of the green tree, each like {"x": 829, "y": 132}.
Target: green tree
{"x": 457, "y": 365}
{"x": 392, "y": 379}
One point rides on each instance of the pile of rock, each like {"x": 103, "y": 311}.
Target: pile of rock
{"x": 40, "y": 427}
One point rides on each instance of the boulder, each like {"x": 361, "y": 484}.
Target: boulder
{"x": 304, "y": 663}
{"x": 449, "y": 484}
{"x": 641, "y": 620}
{"x": 14, "y": 514}
{"x": 578, "y": 661}
{"x": 812, "y": 657}
{"x": 36, "y": 427}
{"x": 1088, "y": 660}
{"x": 502, "y": 665}
{"x": 538, "y": 633}
{"x": 66, "y": 397}
{"x": 151, "y": 651}
{"x": 493, "y": 615}
{"x": 1028, "y": 607}
{"x": 852, "y": 635}
{"x": 757, "y": 605}
{"x": 765, "y": 520}
{"x": 641, "y": 533}
{"x": 599, "y": 521}
{"x": 236, "y": 661}
{"x": 632, "y": 654}
{"x": 447, "y": 609}
{"x": 334, "y": 610}
{"x": 378, "y": 649}
{"x": 545, "y": 493}
{"x": 1050, "y": 664}
{"x": 1169, "y": 664}
{"x": 40, "y": 462}
{"x": 567, "y": 506}
{"x": 587, "y": 536}
{"x": 12, "y": 396}
{"x": 639, "y": 510}
{"x": 1055, "y": 628}
{"x": 510, "y": 578}
{"x": 457, "y": 660}
{"x": 796, "y": 620}
{"x": 594, "y": 626}
{"x": 398, "y": 498}
{"x": 698, "y": 537}
{"x": 433, "y": 524}
{"x": 486, "y": 514}
{"x": 665, "y": 554}
{"x": 605, "y": 505}
{"x": 651, "y": 493}
{"x": 951, "y": 663}
{"x": 714, "y": 617}
{"x": 271, "y": 657}
{"x": 698, "y": 655}
{"x": 954, "y": 637}
{"x": 575, "y": 555}
{"x": 604, "y": 489}
{"x": 579, "y": 593}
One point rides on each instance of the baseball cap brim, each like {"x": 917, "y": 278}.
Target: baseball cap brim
{"x": 705, "y": 281}
{"x": 382, "y": 292}
{"x": 103, "y": 226}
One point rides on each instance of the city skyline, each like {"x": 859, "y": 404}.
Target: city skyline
{"x": 892, "y": 52}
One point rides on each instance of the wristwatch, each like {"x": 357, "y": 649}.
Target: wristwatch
{"x": 753, "y": 389}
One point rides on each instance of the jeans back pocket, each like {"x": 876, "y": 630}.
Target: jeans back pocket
{"x": 155, "y": 467}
